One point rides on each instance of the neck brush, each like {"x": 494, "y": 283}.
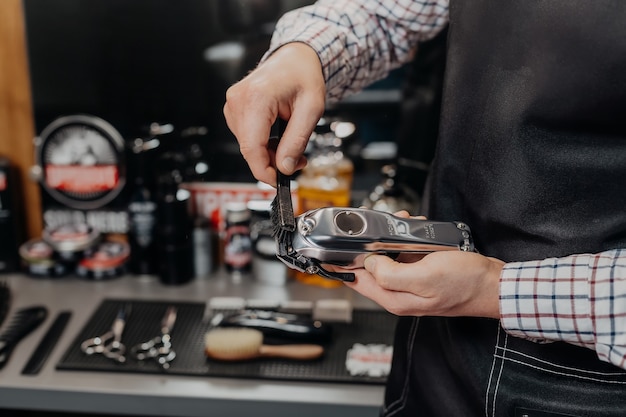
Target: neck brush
{"x": 242, "y": 344}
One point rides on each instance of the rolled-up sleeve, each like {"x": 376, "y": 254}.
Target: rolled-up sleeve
{"x": 359, "y": 42}
{"x": 579, "y": 299}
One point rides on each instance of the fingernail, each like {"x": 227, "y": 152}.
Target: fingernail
{"x": 369, "y": 263}
{"x": 289, "y": 165}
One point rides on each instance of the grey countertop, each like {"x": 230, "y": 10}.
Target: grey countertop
{"x": 167, "y": 395}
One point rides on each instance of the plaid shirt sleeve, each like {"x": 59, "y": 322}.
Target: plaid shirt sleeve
{"x": 579, "y": 299}
{"x": 359, "y": 42}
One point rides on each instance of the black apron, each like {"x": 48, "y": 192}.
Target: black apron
{"x": 532, "y": 155}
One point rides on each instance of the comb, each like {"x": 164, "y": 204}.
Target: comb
{"x": 46, "y": 345}
{"x": 22, "y": 323}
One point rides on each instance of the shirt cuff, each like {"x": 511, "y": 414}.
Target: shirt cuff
{"x": 548, "y": 300}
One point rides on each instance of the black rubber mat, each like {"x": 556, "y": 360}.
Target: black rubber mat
{"x": 144, "y": 320}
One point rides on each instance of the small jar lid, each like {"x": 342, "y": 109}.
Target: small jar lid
{"x": 39, "y": 260}
{"x": 36, "y": 250}
{"x": 71, "y": 237}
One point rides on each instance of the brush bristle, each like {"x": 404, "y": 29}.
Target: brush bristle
{"x": 232, "y": 344}
{"x": 284, "y": 205}
{"x": 282, "y": 215}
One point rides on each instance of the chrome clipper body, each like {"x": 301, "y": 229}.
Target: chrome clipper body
{"x": 345, "y": 236}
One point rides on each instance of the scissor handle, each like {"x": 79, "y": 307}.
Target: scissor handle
{"x": 115, "y": 350}
{"x": 152, "y": 348}
{"x": 158, "y": 348}
{"x": 146, "y": 349}
{"x": 96, "y": 344}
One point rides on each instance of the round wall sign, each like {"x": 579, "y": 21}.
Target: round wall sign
{"x": 82, "y": 161}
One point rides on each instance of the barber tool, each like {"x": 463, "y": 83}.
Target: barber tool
{"x": 110, "y": 343}
{"x": 346, "y": 236}
{"x": 22, "y": 323}
{"x": 47, "y": 344}
{"x": 284, "y": 221}
{"x": 241, "y": 344}
{"x": 280, "y": 325}
{"x": 159, "y": 348}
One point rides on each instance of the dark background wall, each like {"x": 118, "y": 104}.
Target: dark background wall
{"x": 142, "y": 61}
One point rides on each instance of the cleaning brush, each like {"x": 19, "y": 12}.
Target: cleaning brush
{"x": 282, "y": 215}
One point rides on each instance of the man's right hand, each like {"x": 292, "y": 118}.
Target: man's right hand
{"x": 290, "y": 85}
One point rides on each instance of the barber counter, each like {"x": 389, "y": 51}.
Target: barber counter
{"x": 71, "y": 381}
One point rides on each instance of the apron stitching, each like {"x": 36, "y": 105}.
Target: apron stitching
{"x": 582, "y": 371}
{"x": 493, "y": 365}
{"x": 401, "y": 400}
{"x": 587, "y": 378}
{"x": 495, "y": 392}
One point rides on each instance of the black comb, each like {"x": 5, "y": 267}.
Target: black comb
{"x": 41, "y": 354}
{"x": 22, "y": 323}
{"x": 282, "y": 215}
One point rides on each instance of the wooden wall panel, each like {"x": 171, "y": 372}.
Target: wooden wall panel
{"x": 16, "y": 114}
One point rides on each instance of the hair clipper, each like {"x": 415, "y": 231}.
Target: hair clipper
{"x": 346, "y": 236}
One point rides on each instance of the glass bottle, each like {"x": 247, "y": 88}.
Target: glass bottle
{"x": 326, "y": 181}
{"x": 237, "y": 243}
{"x": 142, "y": 212}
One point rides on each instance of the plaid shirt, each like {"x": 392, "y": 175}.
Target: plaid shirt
{"x": 579, "y": 299}
{"x": 359, "y": 42}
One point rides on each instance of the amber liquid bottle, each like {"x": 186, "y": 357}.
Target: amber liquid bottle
{"x": 326, "y": 181}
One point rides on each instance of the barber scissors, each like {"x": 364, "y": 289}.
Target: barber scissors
{"x": 110, "y": 343}
{"x": 159, "y": 348}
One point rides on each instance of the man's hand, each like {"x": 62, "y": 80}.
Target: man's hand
{"x": 447, "y": 283}
{"x": 289, "y": 85}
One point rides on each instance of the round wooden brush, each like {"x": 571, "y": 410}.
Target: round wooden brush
{"x": 240, "y": 344}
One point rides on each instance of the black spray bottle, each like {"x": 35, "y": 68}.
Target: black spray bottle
{"x": 142, "y": 215}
